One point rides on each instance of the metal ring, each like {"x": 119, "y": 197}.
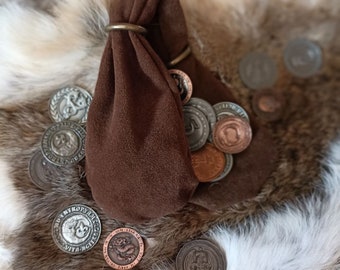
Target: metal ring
{"x": 127, "y": 27}
{"x": 181, "y": 57}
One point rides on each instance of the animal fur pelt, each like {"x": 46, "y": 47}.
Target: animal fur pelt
{"x": 293, "y": 224}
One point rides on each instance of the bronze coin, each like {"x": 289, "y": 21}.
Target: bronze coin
{"x": 232, "y": 134}
{"x": 208, "y": 163}
{"x": 123, "y": 248}
{"x": 183, "y": 83}
{"x": 268, "y": 105}
{"x": 201, "y": 254}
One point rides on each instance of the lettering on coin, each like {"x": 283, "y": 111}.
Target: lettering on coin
{"x": 76, "y": 229}
{"x": 123, "y": 248}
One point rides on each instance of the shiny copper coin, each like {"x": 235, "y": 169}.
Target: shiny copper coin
{"x": 183, "y": 83}
{"x": 232, "y": 134}
{"x": 208, "y": 163}
{"x": 123, "y": 248}
{"x": 268, "y": 105}
{"x": 201, "y": 254}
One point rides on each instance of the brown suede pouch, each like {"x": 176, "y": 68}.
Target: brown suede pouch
{"x": 137, "y": 156}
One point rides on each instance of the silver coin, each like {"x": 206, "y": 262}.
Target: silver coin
{"x": 196, "y": 127}
{"x": 70, "y": 103}
{"x": 223, "y": 109}
{"x": 41, "y": 171}
{"x": 257, "y": 70}
{"x": 208, "y": 111}
{"x": 302, "y": 57}
{"x": 229, "y": 163}
{"x": 63, "y": 143}
{"x": 76, "y": 229}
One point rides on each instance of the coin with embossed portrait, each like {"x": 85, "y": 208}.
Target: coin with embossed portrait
{"x": 41, "y": 171}
{"x": 63, "y": 143}
{"x": 232, "y": 134}
{"x": 71, "y": 104}
{"x": 76, "y": 229}
{"x": 201, "y": 254}
{"x": 123, "y": 248}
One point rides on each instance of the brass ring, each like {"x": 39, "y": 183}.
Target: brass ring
{"x": 127, "y": 27}
{"x": 181, "y": 57}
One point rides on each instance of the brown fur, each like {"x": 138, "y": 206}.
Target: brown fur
{"x": 311, "y": 121}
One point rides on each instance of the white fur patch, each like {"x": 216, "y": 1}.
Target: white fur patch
{"x": 304, "y": 235}
{"x": 12, "y": 212}
{"x": 40, "y": 53}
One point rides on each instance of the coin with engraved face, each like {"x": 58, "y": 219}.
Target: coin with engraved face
{"x": 76, "y": 229}
{"x": 201, "y": 254}
{"x": 257, "y": 70}
{"x": 302, "y": 57}
{"x": 196, "y": 127}
{"x": 223, "y": 109}
{"x": 232, "y": 134}
{"x": 123, "y": 248}
{"x": 183, "y": 83}
{"x": 41, "y": 171}
{"x": 63, "y": 143}
{"x": 207, "y": 109}
{"x": 71, "y": 104}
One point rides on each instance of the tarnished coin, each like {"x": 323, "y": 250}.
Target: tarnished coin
{"x": 76, "y": 229}
{"x": 229, "y": 163}
{"x": 223, "y": 109}
{"x": 201, "y": 254}
{"x": 208, "y": 111}
{"x": 268, "y": 105}
{"x": 232, "y": 134}
{"x": 302, "y": 57}
{"x": 41, "y": 171}
{"x": 70, "y": 103}
{"x": 183, "y": 83}
{"x": 123, "y": 248}
{"x": 63, "y": 143}
{"x": 208, "y": 163}
{"x": 257, "y": 70}
{"x": 196, "y": 127}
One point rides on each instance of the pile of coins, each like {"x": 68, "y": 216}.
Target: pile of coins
{"x": 302, "y": 58}
{"x": 63, "y": 143}
{"x": 214, "y": 133}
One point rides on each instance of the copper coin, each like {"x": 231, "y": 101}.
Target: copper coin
{"x": 183, "y": 83}
{"x": 268, "y": 105}
{"x": 208, "y": 163}
{"x": 123, "y": 248}
{"x": 232, "y": 134}
{"x": 201, "y": 254}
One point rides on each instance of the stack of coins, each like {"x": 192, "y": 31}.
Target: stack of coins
{"x": 63, "y": 143}
{"x": 214, "y": 133}
{"x": 302, "y": 58}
